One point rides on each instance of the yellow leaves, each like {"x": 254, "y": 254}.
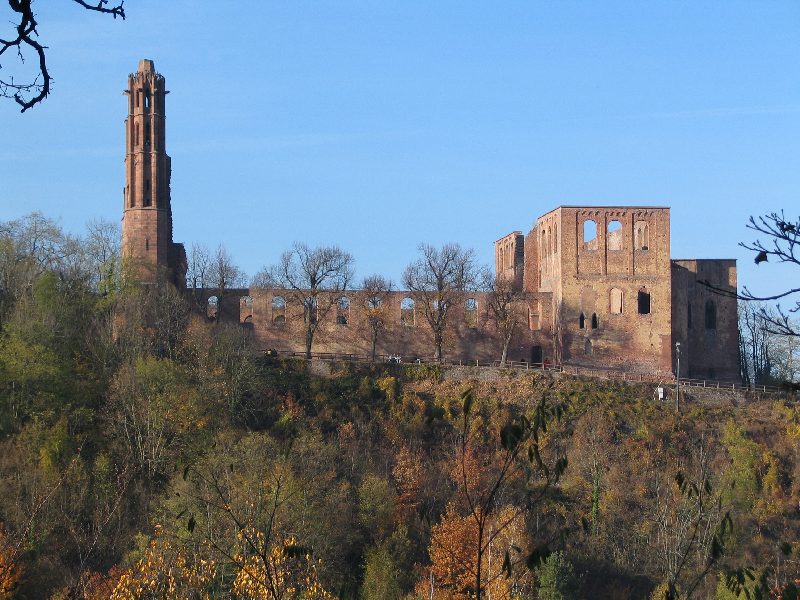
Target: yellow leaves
{"x": 281, "y": 571}
{"x": 166, "y": 571}
{"x": 10, "y": 569}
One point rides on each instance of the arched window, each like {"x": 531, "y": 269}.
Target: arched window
{"x": 641, "y": 234}
{"x": 594, "y": 321}
{"x": 212, "y": 308}
{"x": 582, "y": 321}
{"x": 136, "y": 134}
{"x": 374, "y": 303}
{"x": 278, "y": 310}
{"x": 644, "y": 302}
{"x": 310, "y": 306}
{"x": 615, "y": 299}
{"x": 343, "y": 311}
{"x": 711, "y": 315}
{"x": 614, "y": 240}
{"x": 589, "y": 235}
{"x": 471, "y": 310}
{"x": 246, "y": 309}
{"x": 407, "y": 312}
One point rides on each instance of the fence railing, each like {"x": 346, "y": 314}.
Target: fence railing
{"x": 575, "y": 370}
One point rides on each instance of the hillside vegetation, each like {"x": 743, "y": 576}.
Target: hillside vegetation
{"x": 148, "y": 453}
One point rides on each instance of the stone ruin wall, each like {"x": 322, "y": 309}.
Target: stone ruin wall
{"x": 470, "y": 336}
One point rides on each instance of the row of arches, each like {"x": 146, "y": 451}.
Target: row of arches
{"x": 373, "y": 303}
{"x": 615, "y": 237}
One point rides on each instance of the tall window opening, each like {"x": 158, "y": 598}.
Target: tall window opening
{"x": 711, "y": 315}
{"x": 407, "y": 312}
{"x": 471, "y": 310}
{"x": 582, "y": 321}
{"x": 587, "y": 347}
{"x": 614, "y": 241}
{"x": 615, "y": 301}
{"x": 644, "y": 302}
{"x": 278, "y": 310}
{"x": 641, "y": 234}
{"x": 534, "y": 316}
{"x": 343, "y": 311}
{"x": 212, "y": 308}
{"x": 589, "y": 235}
{"x": 689, "y": 314}
{"x": 594, "y": 321}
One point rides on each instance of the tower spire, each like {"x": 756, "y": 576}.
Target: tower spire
{"x": 147, "y": 209}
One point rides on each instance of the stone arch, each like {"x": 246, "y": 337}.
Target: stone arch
{"x": 471, "y": 310}
{"x": 589, "y": 235}
{"x": 245, "y": 309}
{"x": 278, "y": 310}
{"x": 595, "y": 323}
{"x": 641, "y": 235}
{"x": 343, "y": 310}
{"x": 614, "y": 238}
{"x": 407, "y": 312}
{"x": 212, "y": 307}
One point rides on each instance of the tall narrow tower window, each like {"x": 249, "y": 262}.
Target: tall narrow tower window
{"x": 146, "y": 101}
{"x": 136, "y": 134}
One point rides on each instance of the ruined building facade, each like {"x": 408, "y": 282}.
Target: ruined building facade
{"x": 596, "y": 286}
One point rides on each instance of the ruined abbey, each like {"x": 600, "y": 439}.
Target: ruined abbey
{"x": 596, "y": 284}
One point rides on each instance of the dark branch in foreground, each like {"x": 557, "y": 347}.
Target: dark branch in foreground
{"x": 783, "y": 246}
{"x": 29, "y": 93}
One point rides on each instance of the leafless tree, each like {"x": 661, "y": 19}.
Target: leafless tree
{"x": 438, "y": 279}
{"x": 102, "y": 252}
{"x": 209, "y": 271}
{"x": 32, "y": 90}
{"x": 502, "y": 300}
{"x": 377, "y": 289}
{"x": 315, "y": 278}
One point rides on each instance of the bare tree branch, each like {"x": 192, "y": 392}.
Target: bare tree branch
{"x": 30, "y": 92}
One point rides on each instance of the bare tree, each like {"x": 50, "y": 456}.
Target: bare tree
{"x": 502, "y": 300}
{"x": 438, "y": 279}
{"x": 314, "y": 277}
{"x": 377, "y": 289}
{"x": 102, "y": 252}
{"x": 215, "y": 272}
{"x": 31, "y": 91}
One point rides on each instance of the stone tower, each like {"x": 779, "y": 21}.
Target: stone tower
{"x": 147, "y": 244}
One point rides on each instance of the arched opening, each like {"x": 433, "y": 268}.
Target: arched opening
{"x": 589, "y": 235}
{"x": 212, "y": 307}
{"x": 374, "y": 303}
{"x": 582, "y": 321}
{"x": 310, "y": 313}
{"x": 343, "y": 311}
{"x": 471, "y": 310}
{"x": 615, "y": 299}
{"x": 587, "y": 347}
{"x": 594, "y": 321}
{"x": 643, "y": 302}
{"x": 711, "y": 315}
{"x": 641, "y": 234}
{"x": 246, "y": 309}
{"x": 278, "y": 310}
{"x": 407, "y": 312}
{"x": 614, "y": 239}
{"x": 689, "y": 314}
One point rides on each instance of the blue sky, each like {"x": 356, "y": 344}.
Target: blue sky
{"x": 380, "y": 125}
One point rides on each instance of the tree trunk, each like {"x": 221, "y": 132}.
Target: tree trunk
{"x": 437, "y": 351}
{"x": 504, "y": 355}
{"x": 309, "y": 341}
{"x": 374, "y": 343}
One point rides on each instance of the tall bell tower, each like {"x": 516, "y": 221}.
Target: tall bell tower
{"x": 147, "y": 243}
